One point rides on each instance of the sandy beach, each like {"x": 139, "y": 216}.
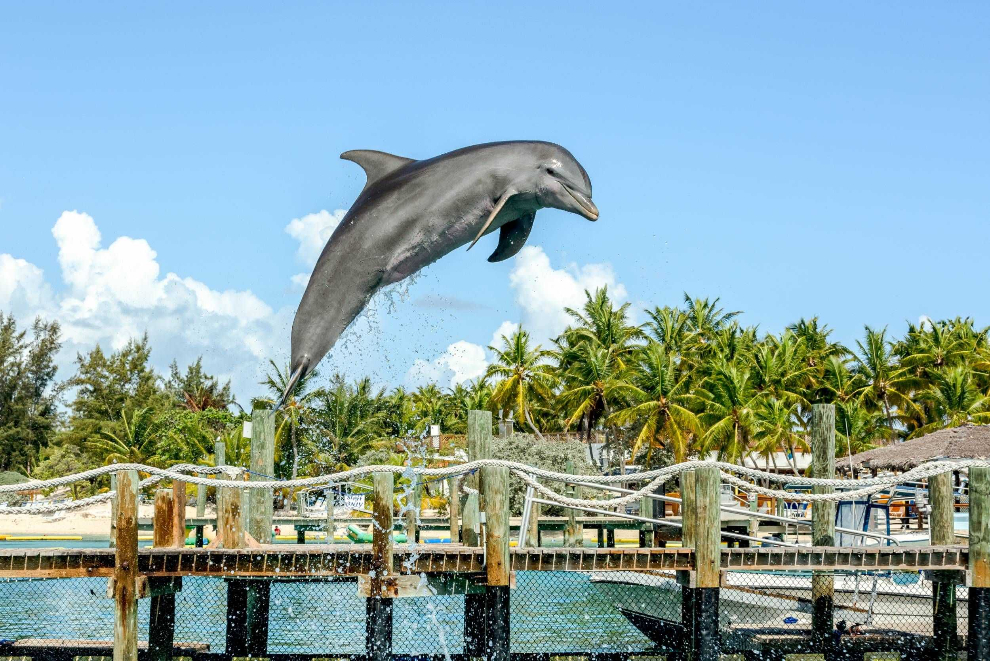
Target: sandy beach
{"x": 93, "y": 521}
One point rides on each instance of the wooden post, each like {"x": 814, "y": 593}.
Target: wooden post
{"x": 331, "y": 525}
{"x": 453, "y": 508}
{"x": 479, "y": 434}
{"x": 378, "y": 632}
{"x": 125, "y": 572}
{"x": 200, "y": 511}
{"x": 533, "y": 534}
{"x": 705, "y": 643}
{"x": 411, "y": 514}
{"x": 300, "y": 513}
{"x": 942, "y": 531}
{"x": 573, "y": 532}
{"x": 978, "y": 638}
{"x": 262, "y": 465}
{"x": 495, "y": 481}
{"x": 161, "y": 623}
{"x": 822, "y": 436}
{"x": 113, "y": 511}
{"x": 178, "y": 514}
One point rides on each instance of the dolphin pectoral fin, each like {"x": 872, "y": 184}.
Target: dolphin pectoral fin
{"x": 498, "y": 207}
{"x": 512, "y": 237}
{"x": 376, "y": 164}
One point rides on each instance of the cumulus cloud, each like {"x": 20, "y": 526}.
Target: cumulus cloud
{"x": 543, "y": 292}
{"x": 462, "y": 361}
{"x": 312, "y": 231}
{"x": 116, "y": 293}
{"x": 505, "y": 329}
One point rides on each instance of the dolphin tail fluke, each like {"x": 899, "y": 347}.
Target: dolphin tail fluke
{"x": 291, "y": 385}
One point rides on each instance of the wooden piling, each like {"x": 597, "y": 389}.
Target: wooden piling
{"x": 479, "y": 435}
{"x": 701, "y": 597}
{"x": 942, "y": 531}
{"x": 230, "y": 518}
{"x": 533, "y": 534}
{"x": 495, "y": 481}
{"x": 113, "y": 511}
{"x": 378, "y": 632}
{"x": 262, "y": 465}
{"x": 574, "y": 531}
{"x": 454, "y": 507}
{"x": 125, "y": 571}
{"x": 331, "y": 524}
{"x": 822, "y": 437}
{"x": 200, "y": 512}
{"x": 411, "y": 514}
{"x": 161, "y": 623}
{"x": 978, "y": 638}
{"x": 178, "y": 514}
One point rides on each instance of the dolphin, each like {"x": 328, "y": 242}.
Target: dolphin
{"x": 411, "y": 213}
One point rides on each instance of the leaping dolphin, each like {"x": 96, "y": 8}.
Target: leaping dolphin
{"x": 411, "y": 213}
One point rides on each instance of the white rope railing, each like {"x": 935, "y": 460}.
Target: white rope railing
{"x": 528, "y": 474}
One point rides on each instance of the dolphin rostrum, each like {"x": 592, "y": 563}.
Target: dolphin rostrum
{"x": 411, "y": 213}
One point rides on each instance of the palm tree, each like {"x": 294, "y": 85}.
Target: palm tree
{"x": 669, "y": 326}
{"x": 592, "y": 384}
{"x": 295, "y": 415}
{"x": 887, "y": 383}
{"x": 525, "y": 378}
{"x": 705, "y": 318}
{"x": 856, "y": 428}
{"x": 137, "y": 444}
{"x": 780, "y": 369}
{"x": 658, "y": 396}
{"x": 351, "y": 419}
{"x": 773, "y": 425}
{"x": 728, "y": 398}
{"x": 954, "y": 400}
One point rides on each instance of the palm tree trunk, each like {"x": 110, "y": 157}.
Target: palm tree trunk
{"x": 529, "y": 421}
{"x": 890, "y": 417}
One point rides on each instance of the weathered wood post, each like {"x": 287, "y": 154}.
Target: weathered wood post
{"x": 978, "y": 638}
{"x": 495, "y": 482}
{"x": 178, "y": 514}
{"x": 161, "y": 623}
{"x": 687, "y": 481}
{"x": 257, "y": 593}
{"x": 378, "y": 632}
{"x": 942, "y": 531}
{"x": 533, "y": 534}
{"x": 574, "y": 531}
{"x": 300, "y": 513}
{"x": 479, "y": 435}
{"x": 125, "y": 571}
{"x": 707, "y": 560}
{"x": 113, "y": 511}
{"x": 454, "y": 508}
{"x": 412, "y": 510}
{"x": 331, "y": 524}
{"x": 822, "y": 436}
{"x": 200, "y": 511}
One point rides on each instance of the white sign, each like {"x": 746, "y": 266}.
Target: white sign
{"x": 351, "y": 501}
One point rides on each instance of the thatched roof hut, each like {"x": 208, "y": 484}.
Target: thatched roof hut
{"x": 965, "y": 442}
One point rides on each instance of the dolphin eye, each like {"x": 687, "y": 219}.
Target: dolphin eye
{"x": 550, "y": 172}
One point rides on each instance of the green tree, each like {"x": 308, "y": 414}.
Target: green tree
{"x": 659, "y": 403}
{"x": 525, "y": 379}
{"x": 136, "y": 445}
{"x": 887, "y": 383}
{"x": 728, "y": 399}
{"x": 29, "y": 393}
{"x": 196, "y": 390}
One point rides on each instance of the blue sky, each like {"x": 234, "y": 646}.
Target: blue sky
{"x": 791, "y": 159}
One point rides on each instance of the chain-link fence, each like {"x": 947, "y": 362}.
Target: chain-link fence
{"x": 613, "y": 612}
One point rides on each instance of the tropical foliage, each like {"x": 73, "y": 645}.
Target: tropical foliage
{"x": 690, "y": 380}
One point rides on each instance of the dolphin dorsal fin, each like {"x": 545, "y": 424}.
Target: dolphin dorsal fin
{"x": 376, "y": 164}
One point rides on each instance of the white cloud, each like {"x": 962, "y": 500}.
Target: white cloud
{"x": 300, "y": 280}
{"x": 312, "y": 231}
{"x": 506, "y": 328}
{"x": 117, "y": 293}
{"x": 543, "y": 292}
{"x": 462, "y": 361}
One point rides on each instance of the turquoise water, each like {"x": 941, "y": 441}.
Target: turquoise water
{"x": 550, "y": 611}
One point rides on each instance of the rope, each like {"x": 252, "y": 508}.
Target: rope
{"x": 528, "y": 474}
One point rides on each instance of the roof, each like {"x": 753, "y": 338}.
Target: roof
{"x": 965, "y": 442}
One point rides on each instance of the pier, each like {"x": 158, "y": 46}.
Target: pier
{"x": 483, "y": 598}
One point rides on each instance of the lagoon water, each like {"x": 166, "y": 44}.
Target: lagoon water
{"x": 551, "y": 611}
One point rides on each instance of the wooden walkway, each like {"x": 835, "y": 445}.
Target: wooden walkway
{"x": 315, "y": 561}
